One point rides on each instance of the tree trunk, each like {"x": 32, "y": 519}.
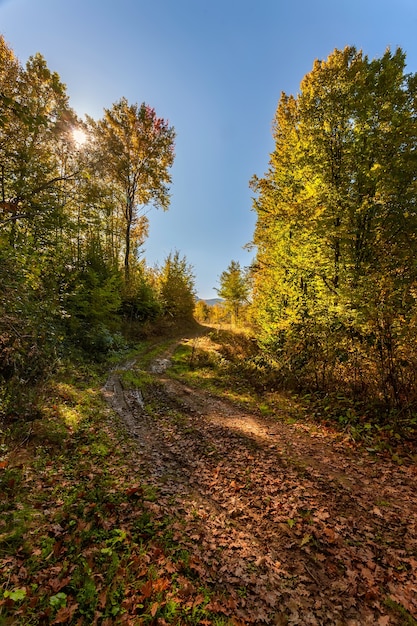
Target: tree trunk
{"x": 129, "y": 220}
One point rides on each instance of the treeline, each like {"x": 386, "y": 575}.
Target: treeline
{"x": 72, "y": 223}
{"x": 335, "y": 276}
{"x": 234, "y": 296}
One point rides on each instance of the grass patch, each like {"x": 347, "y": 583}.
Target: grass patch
{"x": 80, "y": 542}
{"x": 135, "y": 378}
{"x": 229, "y": 365}
{"x": 222, "y": 363}
{"x": 406, "y": 618}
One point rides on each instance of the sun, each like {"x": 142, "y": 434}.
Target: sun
{"x": 79, "y": 136}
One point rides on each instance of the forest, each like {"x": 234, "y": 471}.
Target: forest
{"x": 163, "y": 461}
{"x": 334, "y": 282}
{"x": 74, "y": 197}
{"x": 331, "y": 295}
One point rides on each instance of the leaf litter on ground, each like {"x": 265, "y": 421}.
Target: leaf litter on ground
{"x": 288, "y": 523}
{"x": 201, "y": 511}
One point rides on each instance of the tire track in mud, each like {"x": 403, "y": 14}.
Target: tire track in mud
{"x": 287, "y": 523}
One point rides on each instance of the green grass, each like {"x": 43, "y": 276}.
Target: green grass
{"x": 230, "y": 366}
{"x": 135, "y": 378}
{"x": 216, "y": 364}
{"x": 78, "y": 542}
{"x": 406, "y": 618}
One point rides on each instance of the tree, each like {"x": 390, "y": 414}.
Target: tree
{"x": 68, "y": 216}
{"x": 140, "y": 296}
{"x": 35, "y": 123}
{"x": 176, "y": 287}
{"x": 135, "y": 149}
{"x": 38, "y": 122}
{"x": 202, "y": 311}
{"x": 234, "y": 289}
{"x": 336, "y": 224}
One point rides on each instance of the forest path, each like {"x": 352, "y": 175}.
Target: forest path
{"x": 290, "y": 523}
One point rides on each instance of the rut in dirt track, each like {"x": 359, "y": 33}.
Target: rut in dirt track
{"x": 291, "y": 525}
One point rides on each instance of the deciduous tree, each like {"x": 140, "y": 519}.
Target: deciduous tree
{"x": 336, "y": 223}
{"x": 135, "y": 148}
{"x": 234, "y": 289}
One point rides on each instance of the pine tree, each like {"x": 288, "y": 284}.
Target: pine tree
{"x": 176, "y": 287}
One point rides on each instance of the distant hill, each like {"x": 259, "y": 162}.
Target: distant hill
{"x": 211, "y": 301}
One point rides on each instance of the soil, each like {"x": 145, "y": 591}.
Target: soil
{"x": 289, "y": 523}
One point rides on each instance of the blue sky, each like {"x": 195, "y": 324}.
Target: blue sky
{"x": 216, "y": 70}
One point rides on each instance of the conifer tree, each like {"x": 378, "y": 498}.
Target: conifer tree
{"x": 176, "y": 287}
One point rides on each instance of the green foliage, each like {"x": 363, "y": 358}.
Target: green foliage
{"x": 91, "y": 306}
{"x": 15, "y": 594}
{"x": 135, "y": 149}
{"x": 176, "y": 288}
{"x": 140, "y": 297}
{"x": 334, "y": 294}
{"x": 69, "y": 214}
{"x": 234, "y": 289}
{"x": 30, "y": 331}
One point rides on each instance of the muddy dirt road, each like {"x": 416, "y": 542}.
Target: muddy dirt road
{"x": 290, "y": 523}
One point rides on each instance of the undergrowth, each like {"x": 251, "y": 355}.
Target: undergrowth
{"x": 229, "y": 363}
{"x": 79, "y": 542}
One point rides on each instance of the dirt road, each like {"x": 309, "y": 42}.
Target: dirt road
{"x": 290, "y": 523}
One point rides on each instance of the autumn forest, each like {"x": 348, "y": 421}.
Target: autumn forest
{"x": 166, "y": 461}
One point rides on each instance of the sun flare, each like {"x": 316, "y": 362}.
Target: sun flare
{"x": 79, "y": 136}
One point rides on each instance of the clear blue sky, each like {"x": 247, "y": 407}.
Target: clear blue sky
{"x": 215, "y": 69}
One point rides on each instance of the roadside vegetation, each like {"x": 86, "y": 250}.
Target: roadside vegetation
{"x": 82, "y": 539}
{"x": 230, "y": 364}
{"x": 79, "y": 543}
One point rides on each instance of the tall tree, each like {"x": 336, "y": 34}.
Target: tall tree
{"x": 336, "y": 220}
{"x": 136, "y": 151}
{"x": 39, "y": 121}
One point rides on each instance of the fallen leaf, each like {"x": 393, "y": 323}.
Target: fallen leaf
{"x": 161, "y": 584}
{"x": 65, "y": 614}
{"x": 136, "y": 490}
{"x": 330, "y": 534}
{"x": 305, "y": 540}
{"x": 198, "y": 600}
{"x": 146, "y": 589}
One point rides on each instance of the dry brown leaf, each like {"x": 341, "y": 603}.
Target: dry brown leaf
{"x": 65, "y": 614}
{"x": 154, "y": 608}
{"x": 146, "y": 589}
